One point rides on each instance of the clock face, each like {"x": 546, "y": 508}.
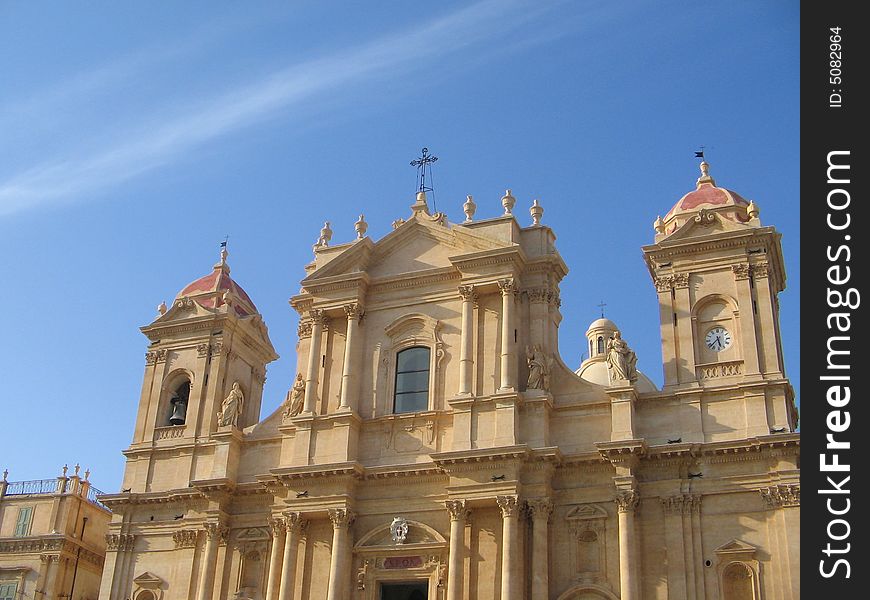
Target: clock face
{"x": 718, "y": 339}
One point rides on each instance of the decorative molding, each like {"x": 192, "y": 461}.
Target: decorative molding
{"x": 122, "y": 542}
{"x": 155, "y": 356}
{"x": 741, "y": 271}
{"x": 760, "y": 270}
{"x": 681, "y": 504}
{"x": 781, "y": 495}
{"x": 203, "y": 349}
{"x": 170, "y": 432}
{"x": 540, "y": 508}
{"x": 509, "y": 505}
{"x": 216, "y": 531}
{"x": 664, "y": 283}
{"x": 304, "y": 329}
{"x": 277, "y": 526}
{"x": 185, "y": 538}
{"x": 681, "y": 280}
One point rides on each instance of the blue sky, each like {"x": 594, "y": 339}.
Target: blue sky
{"x": 134, "y": 137}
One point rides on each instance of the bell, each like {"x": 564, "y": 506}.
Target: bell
{"x": 179, "y": 411}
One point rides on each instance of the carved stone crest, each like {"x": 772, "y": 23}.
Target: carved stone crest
{"x": 399, "y": 530}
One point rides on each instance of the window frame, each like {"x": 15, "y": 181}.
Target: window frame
{"x": 18, "y": 522}
{"x": 428, "y": 372}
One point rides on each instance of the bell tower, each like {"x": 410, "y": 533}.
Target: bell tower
{"x": 718, "y": 272}
{"x": 204, "y": 373}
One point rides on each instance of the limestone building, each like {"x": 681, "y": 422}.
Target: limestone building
{"x": 435, "y": 445}
{"x": 52, "y": 538}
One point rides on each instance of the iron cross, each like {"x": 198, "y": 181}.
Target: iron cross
{"x": 422, "y": 163}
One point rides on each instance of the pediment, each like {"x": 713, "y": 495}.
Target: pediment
{"x": 253, "y": 534}
{"x": 736, "y": 548}
{"x": 586, "y": 512}
{"x": 416, "y": 245}
{"x": 148, "y": 581}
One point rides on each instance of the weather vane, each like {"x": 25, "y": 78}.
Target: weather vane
{"x": 423, "y": 163}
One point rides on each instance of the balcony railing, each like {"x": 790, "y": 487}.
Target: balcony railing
{"x": 51, "y": 486}
{"x": 35, "y": 486}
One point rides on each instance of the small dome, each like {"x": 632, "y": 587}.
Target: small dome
{"x": 705, "y": 195}
{"x": 602, "y": 323}
{"x": 596, "y": 372}
{"x": 209, "y": 290}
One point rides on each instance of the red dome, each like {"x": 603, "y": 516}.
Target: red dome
{"x": 208, "y": 291}
{"x": 709, "y": 194}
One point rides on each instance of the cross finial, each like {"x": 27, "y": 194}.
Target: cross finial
{"x": 424, "y": 162}
{"x": 601, "y": 305}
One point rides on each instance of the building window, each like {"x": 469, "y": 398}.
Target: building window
{"x": 412, "y": 380}
{"x": 22, "y": 525}
{"x": 600, "y": 345}
{"x": 8, "y": 591}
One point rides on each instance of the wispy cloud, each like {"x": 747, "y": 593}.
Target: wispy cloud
{"x": 136, "y": 152}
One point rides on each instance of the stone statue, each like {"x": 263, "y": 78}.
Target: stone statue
{"x": 539, "y": 369}
{"x": 621, "y": 360}
{"x": 231, "y": 407}
{"x": 296, "y": 397}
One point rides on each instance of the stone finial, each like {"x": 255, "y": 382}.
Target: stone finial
{"x": 659, "y": 225}
{"x": 397, "y": 223}
{"x": 77, "y": 468}
{"x": 705, "y": 174}
{"x": 5, "y": 474}
{"x": 752, "y": 210}
{"x": 65, "y": 469}
{"x": 161, "y": 308}
{"x": 469, "y": 208}
{"x": 360, "y": 227}
{"x": 508, "y": 201}
{"x": 420, "y": 206}
{"x": 537, "y": 211}
{"x": 325, "y": 236}
{"x": 87, "y": 474}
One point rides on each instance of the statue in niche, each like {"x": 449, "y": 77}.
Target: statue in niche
{"x": 621, "y": 360}
{"x": 539, "y": 369}
{"x": 231, "y": 407}
{"x": 295, "y": 397}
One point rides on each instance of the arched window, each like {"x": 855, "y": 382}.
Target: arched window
{"x": 178, "y": 400}
{"x": 412, "y": 380}
{"x": 738, "y": 582}
{"x": 145, "y": 595}
{"x": 600, "y": 345}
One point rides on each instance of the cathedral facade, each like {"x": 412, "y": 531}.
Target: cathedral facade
{"x": 434, "y": 445}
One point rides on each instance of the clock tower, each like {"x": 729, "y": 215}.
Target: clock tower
{"x": 718, "y": 272}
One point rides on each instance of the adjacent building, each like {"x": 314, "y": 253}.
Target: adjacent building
{"x": 52, "y": 538}
{"x": 434, "y": 444}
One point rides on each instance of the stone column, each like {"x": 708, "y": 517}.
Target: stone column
{"x": 311, "y": 374}
{"x": 339, "y": 566}
{"x": 674, "y": 507}
{"x": 295, "y": 526}
{"x": 348, "y": 371}
{"x": 276, "y": 556}
{"x": 213, "y": 533}
{"x": 510, "y": 589}
{"x": 626, "y": 503}
{"x": 751, "y": 362}
{"x": 540, "y": 509}
{"x": 508, "y": 359}
{"x": 683, "y": 330}
{"x": 466, "y": 347}
{"x": 455, "y": 575}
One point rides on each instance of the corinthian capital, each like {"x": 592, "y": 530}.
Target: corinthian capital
{"x": 354, "y": 310}
{"x": 507, "y": 286}
{"x": 540, "y": 508}
{"x": 467, "y": 292}
{"x": 627, "y": 500}
{"x": 341, "y": 517}
{"x": 457, "y": 509}
{"x": 509, "y": 505}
